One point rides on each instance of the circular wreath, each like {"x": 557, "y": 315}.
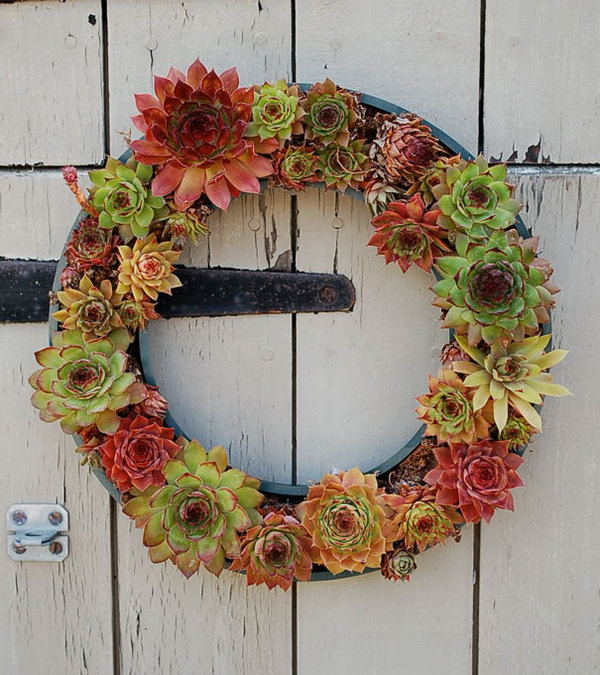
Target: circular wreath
{"x": 208, "y": 140}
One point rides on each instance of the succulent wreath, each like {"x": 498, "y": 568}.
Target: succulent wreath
{"x": 205, "y": 141}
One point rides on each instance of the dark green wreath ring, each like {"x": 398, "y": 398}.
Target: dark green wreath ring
{"x": 207, "y": 140}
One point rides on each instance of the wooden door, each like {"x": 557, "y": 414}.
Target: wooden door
{"x": 294, "y": 396}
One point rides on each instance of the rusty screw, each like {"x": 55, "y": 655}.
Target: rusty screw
{"x": 19, "y": 550}
{"x": 328, "y": 294}
{"x": 55, "y": 517}
{"x": 55, "y": 548}
{"x": 19, "y": 517}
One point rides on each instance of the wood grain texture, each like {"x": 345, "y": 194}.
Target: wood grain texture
{"x": 37, "y": 211}
{"x": 228, "y": 381}
{"x": 374, "y": 627}
{"x": 55, "y": 617}
{"x": 60, "y": 63}
{"x": 424, "y": 58}
{"x": 359, "y": 372}
{"x": 541, "y": 98}
{"x": 233, "y": 383}
{"x": 147, "y": 37}
{"x": 540, "y": 607}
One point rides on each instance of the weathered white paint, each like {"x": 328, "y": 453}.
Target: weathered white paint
{"x": 424, "y": 57}
{"x": 234, "y": 375}
{"x": 54, "y": 617}
{"x": 36, "y": 213}
{"x": 150, "y": 36}
{"x": 540, "y": 605}
{"x": 51, "y": 74}
{"x": 541, "y": 74}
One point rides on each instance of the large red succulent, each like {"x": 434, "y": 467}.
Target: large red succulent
{"x": 194, "y": 130}
{"x": 477, "y": 477}
{"x": 137, "y": 453}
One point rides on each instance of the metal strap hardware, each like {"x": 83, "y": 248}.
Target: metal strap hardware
{"x": 37, "y": 532}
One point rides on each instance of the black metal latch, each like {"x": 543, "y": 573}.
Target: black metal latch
{"x": 37, "y": 532}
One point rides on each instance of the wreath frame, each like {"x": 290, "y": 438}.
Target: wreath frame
{"x": 295, "y": 491}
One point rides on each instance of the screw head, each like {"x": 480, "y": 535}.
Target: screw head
{"x": 19, "y": 517}
{"x": 55, "y": 517}
{"x": 328, "y": 294}
{"x": 19, "y": 550}
{"x": 55, "y": 548}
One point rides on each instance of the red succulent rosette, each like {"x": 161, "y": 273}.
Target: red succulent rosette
{"x": 136, "y": 454}
{"x": 477, "y": 478}
{"x": 406, "y": 233}
{"x": 91, "y": 246}
{"x": 194, "y": 130}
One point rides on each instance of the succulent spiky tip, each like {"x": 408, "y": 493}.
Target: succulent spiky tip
{"x": 331, "y": 114}
{"x": 346, "y": 523}
{"x": 84, "y": 382}
{"x": 147, "y": 269}
{"x": 197, "y": 517}
{"x": 195, "y": 135}
{"x": 511, "y": 376}
{"x": 494, "y": 291}
{"x": 121, "y": 193}
{"x": 275, "y": 552}
{"x": 407, "y": 234}
{"x": 476, "y": 478}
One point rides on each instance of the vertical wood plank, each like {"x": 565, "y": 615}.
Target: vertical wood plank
{"x": 423, "y": 57}
{"x": 358, "y": 373}
{"x": 541, "y": 101}
{"x": 55, "y": 617}
{"x": 36, "y": 213}
{"x": 51, "y": 58}
{"x": 540, "y": 607}
{"x": 149, "y": 36}
{"x": 228, "y": 379}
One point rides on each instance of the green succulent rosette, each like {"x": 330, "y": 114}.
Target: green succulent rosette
{"x": 196, "y": 517}
{"x": 276, "y": 112}
{"x": 342, "y": 166}
{"x": 478, "y": 200}
{"x": 295, "y": 167}
{"x": 330, "y": 113}
{"x": 493, "y": 291}
{"x": 398, "y": 565}
{"x": 122, "y": 196}
{"x": 85, "y": 382}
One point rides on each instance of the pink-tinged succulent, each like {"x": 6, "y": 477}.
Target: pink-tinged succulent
{"x": 91, "y": 247}
{"x": 415, "y": 520}
{"x": 154, "y": 405}
{"x": 407, "y": 234}
{"x": 448, "y": 410}
{"x": 398, "y": 565}
{"x": 275, "y": 552}
{"x": 85, "y": 382}
{"x": 135, "y": 315}
{"x": 134, "y": 457}
{"x": 345, "y": 520}
{"x": 196, "y": 518}
{"x": 476, "y": 478}
{"x": 194, "y": 129}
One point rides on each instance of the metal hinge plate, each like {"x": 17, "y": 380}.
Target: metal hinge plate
{"x": 36, "y": 532}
